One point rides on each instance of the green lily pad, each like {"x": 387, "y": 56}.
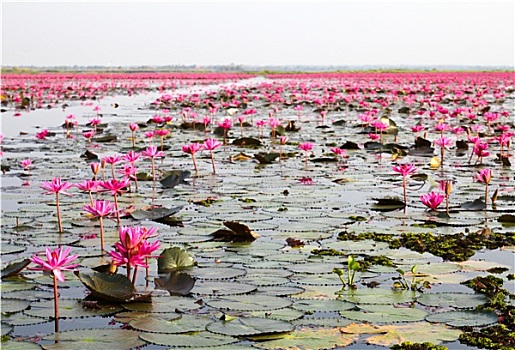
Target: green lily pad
{"x": 185, "y": 324}
{"x": 464, "y": 318}
{"x": 190, "y": 340}
{"x": 385, "y": 314}
{"x": 14, "y": 268}
{"x": 93, "y": 339}
{"x": 250, "y": 302}
{"x": 69, "y": 309}
{"x": 176, "y": 283}
{"x": 174, "y": 258}
{"x": 19, "y": 345}
{"x": 311, "y": 338}
{"x": 6, "y": 329}
{"x": 377, "y": 296}
{"x": 222, "y": 288}
{"x": 164, "y": 304}
{"x": 115, "y": 288}
{"x": 12, "y": 305}
{"x": 321, "y": 305}
{"x": 249, "y": 326}
{"x": 286, "y": 314}
{"x": 216, "y": 273}
{"x": 456, "y": 300}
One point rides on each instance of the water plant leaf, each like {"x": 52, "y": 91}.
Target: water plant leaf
{"x": 177, "y": 283}
{"x": 418, "y": 332}
{"x": 155, "y": 213}
{"x": 192, "y": 340}
{"x": 249, "y": 326}
{"x": 311, "y": 338}
{"x": 476, "y": 204}
{"x": 19, "y": 345}
{"x": 165, "y": 304}
{"x": 322, "y": 305}
{"x": 12, "y": 305}
{"x": 385, "y": 314}
{"x": 455, "y": 300}
{"x": 464, "y": 318}
{"x": 92, "y": 339}
{"x": 69, "y": 309}
{"x": 110, "y": 287}
{"x": 174, "y": 258}
{"x": 172, "y": 178}
{"x": 286, "y": 314}
{"x": 266, "y": 158}
{"x": 507, "y": 218}
{"x": 222, "y": 288}
{"x": 14, "y": 268}
{"x": 250, "y": 302}
{"x": 170, "y": 325}
{"x": 247, "y": 141}
{"x": 237, "y": 233}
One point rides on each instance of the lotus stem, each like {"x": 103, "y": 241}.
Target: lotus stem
{"x": 58, "y": 213}
{"x": 56, "y": 306}
{"x": 101, "y": 234}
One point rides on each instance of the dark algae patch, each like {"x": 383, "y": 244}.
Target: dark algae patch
{"x": 455, "y": 247}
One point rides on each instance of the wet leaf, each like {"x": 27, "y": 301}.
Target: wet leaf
{"x": 464, "y": 318}
{"x": 110, "y": 287}
{"x": 93, "y": 339}
{"x": 249, "y": 326}
{"x": 14, "y": 268}
{"x": 172, "y": 178}
{"x": 174, "y": 258}
{"x": 237, "y": 233}
{"x": 177, "y": 283}
{"x": 311, "y": 339}
{"x": 192, "y": 340}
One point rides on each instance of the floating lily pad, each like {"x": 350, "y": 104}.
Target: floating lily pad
{"x": 251, "y": 302}
{"x": 191, "y": 340}
{"x": 176, "y": 283}
{"x": 286, "y": 314}
{"x": 19, "y": 345}
{"x": 215, "y": 273}
{"x": 14, "y": 268}
{"x": 174, "y": 258}
{"x": 13, "y": 305}
{"x": 169, "y": 325}
{"x": 115, "y": 288}
{"x": 385, "y": 314}
{"x": 311, "y": 338}
{"x": 165, "y": 304}
{"x": 464, "y": 318}
{"x": 92, "y": 339}
{"x": 222, "y": 288}
{"x": 322, "y": 305}
{"x": 455, "y": 300}
{"x": 69, "y": 309}
{"x": 249, "y": 326}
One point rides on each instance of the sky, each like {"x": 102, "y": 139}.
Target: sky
{"x": 258, "y": 33}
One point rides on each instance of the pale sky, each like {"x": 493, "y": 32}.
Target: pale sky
{"x": 258, "y": 33}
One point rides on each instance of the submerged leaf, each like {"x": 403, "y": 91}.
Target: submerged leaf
{"x": 176, "y": 283}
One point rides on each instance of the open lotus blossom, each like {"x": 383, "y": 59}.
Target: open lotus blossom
{"x": 101, "y": 209}
{"x": 225, "y": 124}
{"x": 133, "y": 249}
{"x": 260, "y": 125}
{"x": 206, "y": 121}
{"x": 210, "y": 145}
{"x": 306, "y": 147}
{"x": 152, "y": 153}
{"x": 192, "y": 148}
{"x": 114, "y": 159}
{"x": 485, "y": 176}
{"x": 481, "y": 150}
{"x": 88, "y": 186}
{"x": 338, "y": 152}
{"x": 88, "y": 135}
{"x": 405, "y": 170}
{"x": 56, "y": 262}
{"x": 58, "y": 187}
{"x": 274, "y": 123}
{"x": 432, "y": 200}
{"x": 42, "y": 134}
{"x": 162, "y": 133}
{"x": 116, "y": 188}
{"x": 443, "y": 142}
{"x": 132, "y": 157}
{"x": 94, "y": 122}
{"x": 26, "y": 163}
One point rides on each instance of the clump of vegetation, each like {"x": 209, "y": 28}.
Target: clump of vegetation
{"x": 407, "y": 345}
{"x": 415, "y": 284}
{"x": 500, "y": 336}
{"x": 457, "y": 247}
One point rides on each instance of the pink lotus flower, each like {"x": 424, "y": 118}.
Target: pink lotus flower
{"x": 88, "y": 186}
{"x": 404, "y": 170}
{"x": 112, "y": 160}
{"x": 131, "y": 157}
{"x": 225, "y": 124}
{"x": 133, "y": 250}
{"x": 210, "y": 145}
{"x": 89, "y": 135}
{"x": 56, "y": 186}
{"x": 26, "y": 163}
{"x": 443, "y": 142}
{"x": 162, "y": 133}
{"x": 101, "y": 209}
{"x": 133, "y": 127}
{"x": 57, "y": 261}
{"x": 283, "y": 140}
{"x": 306, "y": 147}
{"x": 432, "y": 200}
{"x": 485, "y": 176}
{"x": 481, "y": 150}
{"x": 95, "y": 168}
{"x": 158, "y": 119}
{"x": 192, "y": 148}
{"x": 152, "y": 153}
{"x": 374, "y": 137}
{"x": 42, "y": 134}
{"x": 116, "y": 188}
